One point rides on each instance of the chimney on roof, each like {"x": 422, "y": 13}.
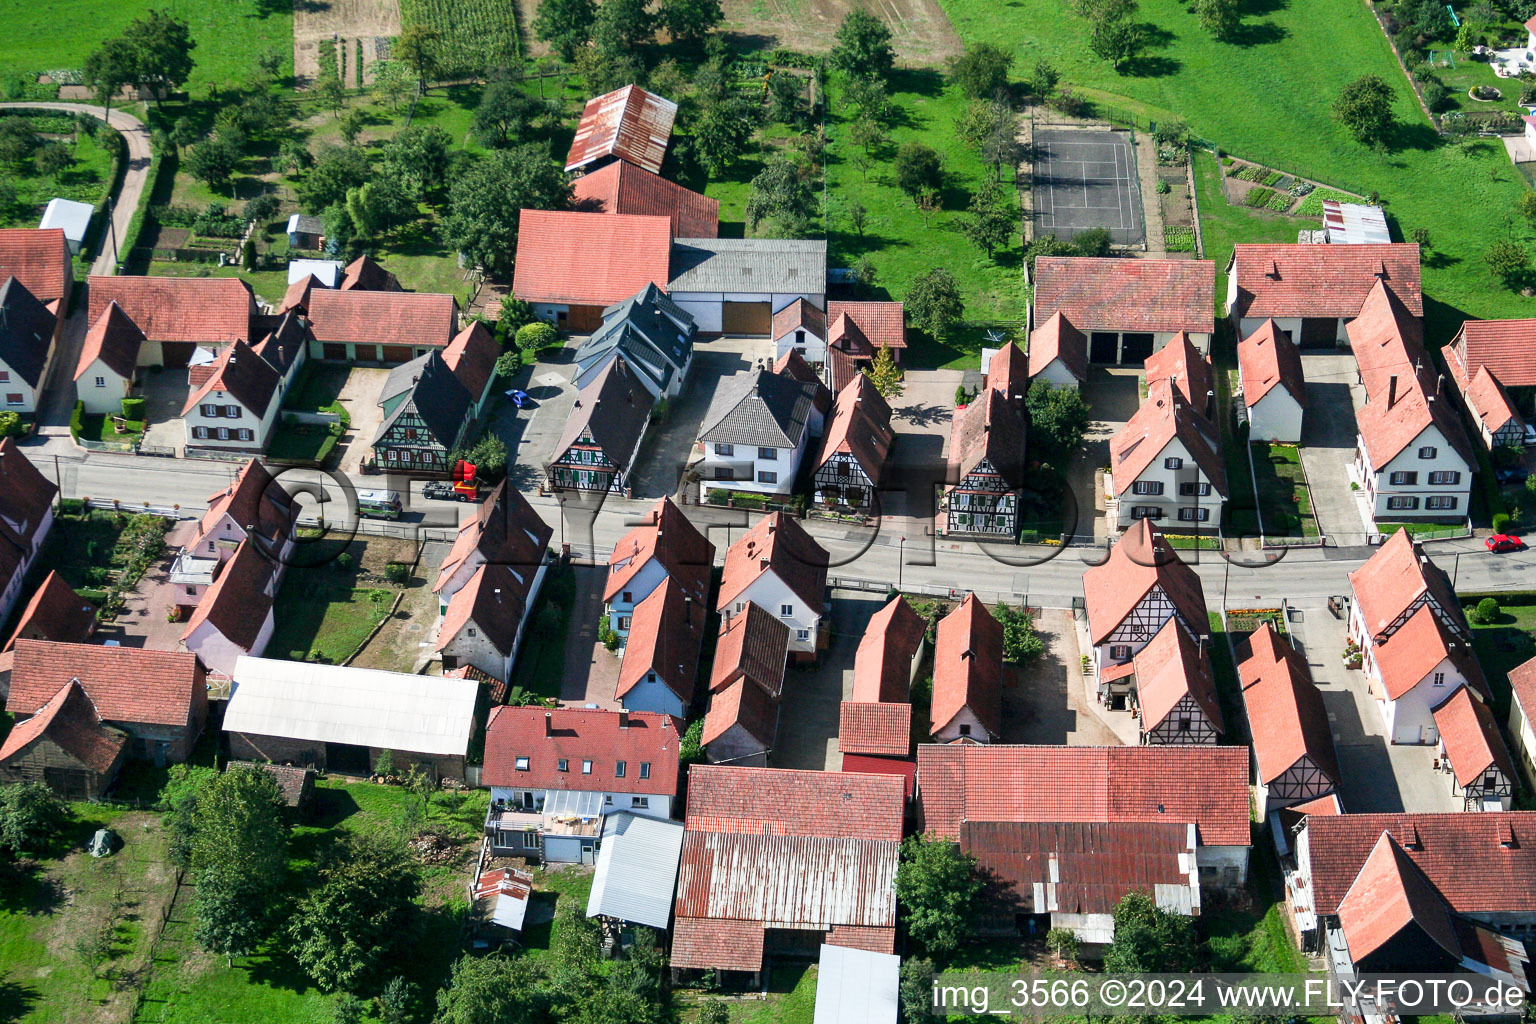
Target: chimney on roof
{"x": 549, "y": 723}
{"x": 1381, "y": 269}
{"x": 1439, "y": 383}
{"x": 1506, "y": 834}
{"x": 1274, "y": 270}
{"x": 1391, "y": 391}
{"x": 623, "y": 719}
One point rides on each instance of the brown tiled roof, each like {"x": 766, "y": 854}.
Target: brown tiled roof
{"x": 990, "y": 428}
{"x": 114, "y": 339}
{"x": 545, "y": 735}
{"x": 882, "y": 324}
{"x": 1008, "y": 371}
{"x": 297, "y": 295}
{"x": 876, "y": 940}
{"x": 860, "y": 426}
{"x": 1268, "y": 359}
{"x": 70, "y": 720}
{"x": 753, "y": 645}
{"x": 1329, "y": 281}
{"x": 802, "y": 314}
{"x": 255, "y": 500}
{"x": 38, "y": 258}
{"x": 503, "y": 528}
{"x": 1485, "y": 397}
{"x": 1111, "y": 294}
{"x": 712, "y": 942}
{"x": 793, "y": 365}
{"x": 384, "y": 318}
{"x": 882, "y": 667}
{"x": 613, "y": 409}
{"x": 285, "y": 340}
{"x": 665, "y": 634}
{"x": 1396, "y": 576}
{"x": 669, "y": 536}
{"x": 1507, "y": 347}
{"x": 1190, "y": 372}
{"x": 740, "y": 703}
{"x": 779, "y": 543}
{"x": 127, "y": 684}
{"x": 780, "y": 802}
{"x": 471, "y": 355}
{"x": 1138, "y": 562}
{"x": 628, "y": 123}
{"x": 242, "y": 375}
{"x": 1412, "y": 652}
{"x": 1481, "y": 863}
{"x": 1388, "y": 895}
{"x": 623, "y": 188}
{"x": 619, "y": 255}
{"x": 883, "y": 730}
{"x": 1522, "y": 683}
{"x": 1471, "y": 738}
{"x": 205, "y": 310}
{"x": 1171, "y": 667}
{"x": 494, "y": 600}
{"x": 1201, "y": 784}
{"x": 365, "y": 274}
{"x": 1163, "y": 417}
{"x": 293, "y": 782}
{"x": 1058, "y": 339}
{"x": 238, "y": 603}
{"x": 55, "y": 612}
{"x": 903, "y": 768}
{"x": 968, "y": 667}
{"x": 1286, "y": 715}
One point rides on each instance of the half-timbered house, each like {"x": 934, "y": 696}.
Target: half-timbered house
{"x": 1473, "y": 753}
{"x": 1292, "y": 744}
{"x": 1175, "y": 690}
{"x": 1127, "y": 601}
{"x": 853, "y": 454}
{"x": 603, "y": 433}
{"x": 986, "y": 469}
{"x": 427, "y": 411}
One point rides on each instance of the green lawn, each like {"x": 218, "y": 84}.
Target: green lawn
{"x": 1503, "y": 644}
{"x": 100, "y": 427}
{"x": 1223, "y": 225}
{"x": 1285, "y": 501}
{"x": 322, "y": 611}
{"x": 317, "y": 388}
{"x": 269, "y": 285}
{"x": 1267, "y": 98}
{"x": 86, "y": 181}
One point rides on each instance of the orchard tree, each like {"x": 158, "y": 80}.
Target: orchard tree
{"x": 565, "y": 25}
{"x": 1364, "y": 108}
{"x": 689, "y": 21}
{"x": 1221, "y": 18}
{"x": 418, "y": 46}
{"x": 493, "y": 989}
{"x": 484, "y": 201}
{"x": 933, "y": 302}
{"x": 233, "y": 914}
{"x": 918, "y": 167}
{"x": 1058, "y": 418}
{"x": 239, "y": 824}
{"x": 213, "y": 161}
{"x": 359, "y": 916}
{"x": 416, "y": 159}
{"x": 621, "y": 26}
{"x": 982, "y": 71}
{"x": 1117, "y": 40}
{"x": 504, "y": 113}
{"x": 162, "y": 46}
{"x": 1508, "y": 260}
{"x": 53, "y": 159}
{"x": 992, "y": 220}
{"x": 937, "y": 890}
{"x": 720, "y": 131}
{"x": 862, "y": 46}
{"x": 337, "y": 169}
{"x": 393, "y": 79}
{"x": 31, "y": 817}
{"x": 780, "y": 193}
{"x": 1043, "y": 78}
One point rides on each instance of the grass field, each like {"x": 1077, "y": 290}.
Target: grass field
{"x": 230, "y": 34}
{"x": 1504, "y": 643}
{"x": 1223, "y": 225}
{"x": 1267, "y": 98}
{"x": 85, "y": 182}
{"x": 1285, "y": 501}
{"x": 322, "y": 610}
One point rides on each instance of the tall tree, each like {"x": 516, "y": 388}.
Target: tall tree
{"x": 492, "y": 990}
{"x": 504, "y": 113}
{"x": 933, "y": 302}
{"x": 337, "y": 169}
{"x": 393, "y": 79}
{"x": 1058, "y": 418}
{"x": 885, "y": 375}
{"x": 239, "y": 825}
{"x": 565, "y": 25}
{"x": 109, "y": 67}
{"x": 1220, "y": 18}
{"x": 359, "y": 916}
{"x": 1117, "y": 40}
{"x": 621, "y": 26}
{"x": 689, "y": 20}
{"x": 213, "y": 161}
{"x": 992, "y": 220}
{"x": 918, "y": 167}
{"x": 484, "y": 200}
{"x": 417, "y": 159}
{"x": 162, "y": 45}
{"x": 780, "y": 192}
{"x": 233, "y": 914}
{"x": 53, "y": 159}
{"x": 1149, "y": 938}
{"x": 31, "y": 817}
{"x": 419, "y": 46}
{"x": 719, "y": 133}
{"x": 936, "y": 889}
{"x": 981, "y": 71}
{"x": 1364, "y": 108}
{"x": 862, "y": 46}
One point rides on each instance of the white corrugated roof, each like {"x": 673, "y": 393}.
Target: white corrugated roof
{"x": 855, "y": 986}
{"x": 1355, "y": 223}
{"x": 327, "y": 272}
{"x": 362, "y": 706}
{"x": 637, "y": 869}
{"x": 73, "y": 217}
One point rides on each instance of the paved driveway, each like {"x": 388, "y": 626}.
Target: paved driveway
{"x": 1328, "y": 444}
{"x": 360, "y": 397}
{"x": 532, "y": 432}
{"x": 809, "y": 712}
{"x": 142, "y": 621}
{"x": 922, "y": 418}
{"x": 1113, "y": 394}
{"x": 591, "y": 670}
{"x": 1045, "y": 701}
{"x": 165, "y": 394}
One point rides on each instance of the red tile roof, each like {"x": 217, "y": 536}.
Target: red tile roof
{"x": 383, "y": 318}
{"x": 990, "y": 428}
{"x": 1137, "y": 564}
{"x": 882, "y": 667}
{"x": 471, "y": 355}
{"x": 205, "y": 310}
{"x": 1008, "y": 371}
{"x": 55, "y": 612}
{"x": 717, "y": 943}
{"x": 780, "y": 802}
{"x": 883, "y": 324}
{"x": 1058, "y": 339}
{"x": 669, "y": 536}
{"x": 242, "y": 375}
{"x": 861, "y": 427}
{"x": 127, "y": 684}
{"x": 545, "y": 735}
{"x": 1327, "y": 281}
{"x": 1182, "y": 364}
{"x": 619, "y": 255}
{"x": 1171, "y": 667}
{"x": 38, "y": 258}
{"x": 1396, "y": 576}
{"x": 1204, "y": 785}
{"x": 1481, "y": 863}
{"x": 114, "y": 339}
{"x": 883, "y": 730}
{"x": 628, "y": 123}
{"x": 665, "y": 634}
{"x": 1413, "y": 650}
{"x": 753, "y": 645}
{"x": 1507, "y": 347}
{"x": 904, "y": 769}
{"x": 623, "y": 188}
{"x": 1522, "y": 683}
{"x": 1485, "y": 397}
{"x": 968, "y": 668}
{"x": 238, "y": 603}
{"x": 802, "y": 314}
{"x": 780, "y": 544}
{"x": 1286, "y": 715}
{"x": 742, "y": 704}
{"x": 69, "y": 719}
{"x": 876, "y": 940}
{"x": 1163, "y": 418}
{"x": 1388, "y": 895}
{"x": 1111, "y": 294}
{"x": 503, "y": 528}
{"x": 1471, "y": 738}
{"x": 494, "y": 600}
{"x": 254, "y": 501}
{"x": 365, "y": 274}
{"x": 1268, "y": 359}
{"x": 297, "y": 295}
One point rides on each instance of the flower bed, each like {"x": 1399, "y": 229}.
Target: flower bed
{"x": 1179, "y": 239}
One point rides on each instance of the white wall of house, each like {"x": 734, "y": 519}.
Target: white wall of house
{"x": 218, "y": 652}
{"x": 622, "y": 607}
{"x": 1225, "y": 866}
{"x": 210, "y": 416}
{"x": 1384, "y": 496}
{"x": 472, "y": 647}
{"x": 652, "y": 694}
{"x": 650, "y": 805}
{"x": 472, "y": 562}
{"x": 1057, "y": 375}
{"x": 16, "y": 395}
{"x": 749, "y": 464}
{"x": 774, "y": 596}
{"x": 102, "y": 389}
{"x": 812, "y": 348}
{"x": 1275, "y": 417}
{"x": 1524, "y": 733}
{"x": 1178, "y": 511}
{"x": 964, "y": 726}
{"x": 1409, "y": 718}
{"x": 707, "y": 308}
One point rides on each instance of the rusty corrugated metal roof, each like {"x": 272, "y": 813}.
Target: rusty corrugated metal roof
{"x": 629, "y": 123}
{"x": 788, "y": 881}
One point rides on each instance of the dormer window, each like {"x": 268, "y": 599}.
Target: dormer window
{"x": 563, "y": 765}
{"x": 586, "y": 767}
{"x": 645, "y": 769}
{"x": 521, "y": 764}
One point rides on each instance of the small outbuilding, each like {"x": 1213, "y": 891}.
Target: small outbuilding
{"x": 305, "y": 231}
{"x": 73, "y": 218}
{"x": 636, "y": 874}
{"x": 855, "y": 986}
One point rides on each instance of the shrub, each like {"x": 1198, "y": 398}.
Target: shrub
{"x": 344, "y": 561}
{"x": 133, "y": 408}
{"x": 508, "y": 363}
{"x": 1163, "y": 188}
{"x": 1486, "y": 613}
{"x": 537, "y": 336}
{"x": 76, "y": 420}
{"x": 10, "y": 424}
{"x": 397, "y": 572}
{"x": 1501, "y": 522}
{"x": 1435, "y": 94}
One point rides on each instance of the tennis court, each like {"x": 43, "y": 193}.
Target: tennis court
{"x": 1086, "y": 179}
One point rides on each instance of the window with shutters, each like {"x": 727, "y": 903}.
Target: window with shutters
{"x": 1190, "y": 490}
{"x": 1147, "y": 487}
{"x": 1445, "y": 476}
{"x": 1173, "y": 462}
{"x": 210, "y": 411}
{"x": 231, "y": 412}
{"x": 1120, "y": 652}
{"x": 1194, "y": 515}
{"x": 223, "y": 433}
{"x": 1401, "y": 503}
{"x": 1440, "y": 503}
{"x": 725, "y": 473}
{"x": 1428, "y": 452}
{"x": 1402, "y": 478}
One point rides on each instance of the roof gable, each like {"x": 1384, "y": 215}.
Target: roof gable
{"x": 69, "y": 720}
{"x": 114, "y": 339}
{"x": 968, "y": 667}
{"x": 242, "y": 375}
{"x": 1138, "y": 563}
{"x": 26, "y": 331}
{"x": 126, "y": 684}
{"x": 1058, "y": 339}
{"x": 1171, "y": 667}
{"x": 613, "y": 410}
{"x": 780, "y": 544}
{"x": 55, "y": 612}
{"x": 545, "y": 736}
{"x": 1267, "y": 359}
{"x": 1324, "y": 281}
{"x": 1126, "y": 295}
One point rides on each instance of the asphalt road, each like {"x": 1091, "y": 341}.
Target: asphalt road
{"x": 869, "y": 557}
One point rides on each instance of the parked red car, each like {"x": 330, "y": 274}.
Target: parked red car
{"x": 1501, "y": 542}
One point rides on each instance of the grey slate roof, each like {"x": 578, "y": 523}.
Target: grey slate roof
{"x": 614, "y": 407}
{"x": 26, "y": 331}
{"x": 762, "y": 408}
{"x": 783, "y": 265}
{"x": 644, "y": 327}
{"x": 637, "y": 869}
{"x": 439, "y": 398}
